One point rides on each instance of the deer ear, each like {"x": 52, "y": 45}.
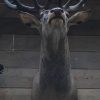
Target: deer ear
{"x": 30, "y": 20}
{"x": 79, "y": 17}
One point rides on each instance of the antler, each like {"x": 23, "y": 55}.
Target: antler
{"x": 16, "y": 5}
{"x": 74, "y": 7}
{"x": 67, "y": 4}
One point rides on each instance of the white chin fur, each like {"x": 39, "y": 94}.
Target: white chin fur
{"x": 57, "y": 22}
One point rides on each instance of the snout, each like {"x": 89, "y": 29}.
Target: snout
{"x": 57, "y": 12}
{"x": 56, "y": 15}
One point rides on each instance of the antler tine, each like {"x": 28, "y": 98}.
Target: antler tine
{"x": 76, "y": 7}
{"x": 67, "y": 4}
{"x": 16, "y": 5}
{"x": 10, "y": 4}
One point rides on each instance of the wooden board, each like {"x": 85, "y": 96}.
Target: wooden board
{"x": 25, "y": 94}
{"x": 6, "y": 42}
{"x": 19, "y": 59}
{"x": 27, "y": 43}
{"x": 5, "y": 12}
{"x": 76, "y": 43}
{"x": 23, "y": 50}
{"x": 17, "y": 78}
{"x": 23, "y": 78}
{"x": 89, "y": 28}
{"x": 15, "y": 94}
{"x": 22, "y": 59}
{"x": 87, "y": 79}
{"x": 88, "y": 94}
{"x": 84, "y": 43}
{"x": 32, "y": 43}
{"x": 85, "y": 60}
{"x": 15, "y": 26}
{"x": 20, "y": 43}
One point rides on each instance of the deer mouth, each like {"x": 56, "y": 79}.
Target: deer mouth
{"x": 57, "y": 19}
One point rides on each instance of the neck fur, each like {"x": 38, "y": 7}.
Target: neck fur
{"x": 55, "y": 66}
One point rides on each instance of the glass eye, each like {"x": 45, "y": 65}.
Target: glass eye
{"x": 46, "y": 12}
{"x": 41, "y": 15}
{"x": 52, "y": 11}
{"x": 62, "y": 11}
{"x": 67, "y": 14}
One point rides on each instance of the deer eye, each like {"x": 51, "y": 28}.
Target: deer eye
{"x": 67, "y": 14}
{"x": 41, "y": 15}
{"x": 44, "y": 13}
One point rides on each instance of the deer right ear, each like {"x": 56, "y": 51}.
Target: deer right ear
{"x": 79, "y": 17}
{"x": 30, "y": 20}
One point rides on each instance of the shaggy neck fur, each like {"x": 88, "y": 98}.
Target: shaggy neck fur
{"x": 55, "y": 66}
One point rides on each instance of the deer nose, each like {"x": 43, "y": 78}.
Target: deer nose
{"x": 57, "y": 11}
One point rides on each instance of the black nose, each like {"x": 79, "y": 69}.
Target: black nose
{"x": 57, "y": 11}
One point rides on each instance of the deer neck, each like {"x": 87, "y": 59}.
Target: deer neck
{"x": 55, "y": 66}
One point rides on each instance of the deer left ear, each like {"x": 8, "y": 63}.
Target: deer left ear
{"x": 79, "y": 17}
{"x": 30, "y": 20}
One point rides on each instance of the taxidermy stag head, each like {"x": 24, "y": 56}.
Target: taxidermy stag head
{"x": 54, "y": 81}
{"x": 50, "y": 21}
{"x": 41, "y": 16}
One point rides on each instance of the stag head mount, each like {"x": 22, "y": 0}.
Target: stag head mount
{"x": 39, "y": 15}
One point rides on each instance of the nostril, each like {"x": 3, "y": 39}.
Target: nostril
{"x": 57, "y": 11}
{"x": 61, "y": 11}
{"x": 52, "y": 11}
